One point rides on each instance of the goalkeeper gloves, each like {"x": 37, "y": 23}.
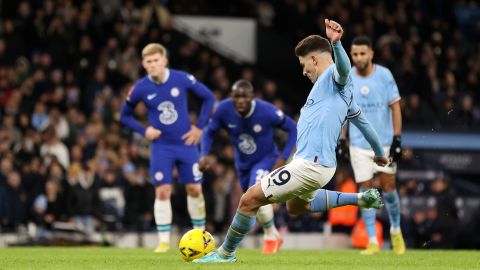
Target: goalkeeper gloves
{"x": 396, "y": 149}
{"x": 342, "y": 150}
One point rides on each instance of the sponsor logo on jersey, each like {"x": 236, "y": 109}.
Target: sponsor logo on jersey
{"x": 247, "y": 144}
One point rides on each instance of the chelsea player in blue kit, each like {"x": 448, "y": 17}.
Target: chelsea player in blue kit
{"x": 164, "y": 91}
{"x": 376, "y": 93}
{"x": 328, "y": 106}
{"x": 251, "y": 124}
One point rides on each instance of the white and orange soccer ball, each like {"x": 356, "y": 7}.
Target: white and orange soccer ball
{"x": 195, "y": 244}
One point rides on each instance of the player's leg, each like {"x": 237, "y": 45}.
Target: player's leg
{"x": 192, "y": 177}
{"x": 363, "y": 169}
{"x": 322, "y": 200}
{"x": 278, "y": 186}
{"x": 272, "y": 238}
{"x": 161, "y": 166}
{"x": 242, "y": 222}
{"x": 162, "y": 209}
{"x": 392, "y": 203}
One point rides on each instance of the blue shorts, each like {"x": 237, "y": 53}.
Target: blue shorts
{"x": 258, "y": 170}
{"x": 164, "y": 157}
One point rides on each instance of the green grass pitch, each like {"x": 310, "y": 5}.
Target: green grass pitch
{"x": 248, "y": 259}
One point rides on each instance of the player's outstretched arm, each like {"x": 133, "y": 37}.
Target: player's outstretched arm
{"x": 334, "y": 32}
{"x": 362, "y": 123}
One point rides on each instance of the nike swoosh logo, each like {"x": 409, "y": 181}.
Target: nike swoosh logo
{"x": 231, "y": 126}
{"x": 152, "y": 96}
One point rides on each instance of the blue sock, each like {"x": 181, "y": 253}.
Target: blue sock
{"x": 392, "y": 203}
{"x": 241, "y": 225}
{"x": 369, "y": 217}
{"x": 327, "y": 199}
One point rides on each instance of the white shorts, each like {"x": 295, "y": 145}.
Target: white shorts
{"x": 363, "y": 166}
{"x": 300, "y": 178}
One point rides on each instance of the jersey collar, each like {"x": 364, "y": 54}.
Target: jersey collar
{"x": 165, "y": 78}
{"x": 252, "y": 109}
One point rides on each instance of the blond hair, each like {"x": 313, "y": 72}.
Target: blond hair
{"x": 154, "y": 48}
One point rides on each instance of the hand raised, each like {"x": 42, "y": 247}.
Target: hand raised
{"x": 333, "y": 30}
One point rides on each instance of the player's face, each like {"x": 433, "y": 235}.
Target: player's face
{"x": 362, "y": 57}
{"x": 242, "y": 99}
{"x": 154, "y": 64}
{"x": 309, "y": 67}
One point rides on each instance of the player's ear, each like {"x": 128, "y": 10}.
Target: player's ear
{"x": 165, "y": 61}
{"x": 314, "y": 59}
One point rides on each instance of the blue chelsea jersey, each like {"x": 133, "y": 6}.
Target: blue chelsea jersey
{"x": 252, "y": 135}
{"x": 167, "y": 105}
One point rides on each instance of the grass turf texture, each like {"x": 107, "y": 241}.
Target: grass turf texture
{"x": 248, "y": 259}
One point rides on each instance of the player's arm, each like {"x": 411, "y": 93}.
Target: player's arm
{"x": 201, "y": 91}
{"x": 394, "y": 98}
{"x": 208, "y": 99}
{"x": 291, "y": 128}
{"x": 207, "y": 140}
{"x": 362, "y": 123}
{"x": 127, "y": 112}
{"x": 334, "y": 32}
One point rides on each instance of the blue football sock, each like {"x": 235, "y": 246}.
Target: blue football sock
{"x": 327, "y": 199}
{"x": 392, "y": 203}
{"x": 241, "y": 225}
{"x": 369, "y": 217}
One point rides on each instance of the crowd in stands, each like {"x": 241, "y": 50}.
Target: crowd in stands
{"x": 67, "y": 66}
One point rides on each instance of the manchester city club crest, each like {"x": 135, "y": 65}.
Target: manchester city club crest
{"x": 364, "y": 90}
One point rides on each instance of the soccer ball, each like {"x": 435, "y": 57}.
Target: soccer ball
{"x": 195, "y": 244}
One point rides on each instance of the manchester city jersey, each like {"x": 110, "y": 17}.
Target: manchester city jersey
{"x": 328, "y": 105}
{"x": 374, "y": 94}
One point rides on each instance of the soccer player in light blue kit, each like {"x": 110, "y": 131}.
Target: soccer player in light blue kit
{"x": 328, "y": 106}
{"x": 251, "y": 124}
{"x": 375, "y": 91}
{"x": 164, "y": 91}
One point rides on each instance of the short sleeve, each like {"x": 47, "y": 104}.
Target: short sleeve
{"x": 134, "y": 95}
{"x": 393, "y": 93}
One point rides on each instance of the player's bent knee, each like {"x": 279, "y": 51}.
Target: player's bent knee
{"x": 193, "y": 190}
{"x": 296, "y": 210}
{"x": 163, "y": 192}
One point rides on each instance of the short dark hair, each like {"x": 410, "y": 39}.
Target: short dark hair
{"x": 312, "y": 43}
{"x": 362, "y": 40}
{"x": 244, "y": 84}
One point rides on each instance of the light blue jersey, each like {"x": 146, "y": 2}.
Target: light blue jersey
{"x": 328, "y": 105}
{"x": 374, "y": 94}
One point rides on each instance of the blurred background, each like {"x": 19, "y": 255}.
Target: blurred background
{"x": 66, "y": 67}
